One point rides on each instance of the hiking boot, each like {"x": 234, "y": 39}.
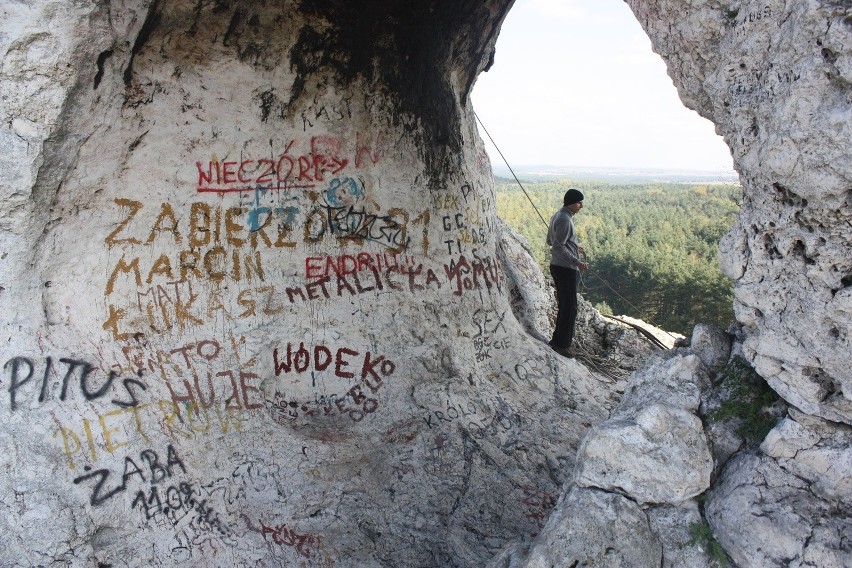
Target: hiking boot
{"x": 564, "y": 351}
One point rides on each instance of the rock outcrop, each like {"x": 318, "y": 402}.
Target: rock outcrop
{"x": 775, "y": 77}
{"x": 631, "y": 501}
{"x": 788, "y": 502}
{"x": 257, "y": 307}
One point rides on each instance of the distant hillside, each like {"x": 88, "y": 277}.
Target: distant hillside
{"x": 652, "y": 247}
{"x": 613, "y": 175}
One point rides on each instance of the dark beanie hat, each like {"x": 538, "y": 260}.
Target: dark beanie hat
{"x": 572, "y": 196}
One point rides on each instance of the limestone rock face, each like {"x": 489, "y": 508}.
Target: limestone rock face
{"x": 817, "y": 451}
{"x": 531, "y": 297}
{"x": 645, "y": 465}
{"x": 673, "y": 525}
{"x": 765, "y": 515}
{"x": 711, "y": 344}
{"x": 592, "y": 528}
{"x": 660, "y": 456}
{"x": 653, "y": 447}
{"x": 595, "y": 528}
{"x": 257, "y": 307}
{"x": 787, "y": 501}
{"x": 775, "y": 78}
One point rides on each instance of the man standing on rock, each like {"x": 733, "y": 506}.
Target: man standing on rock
{"x": 565, "y": 266}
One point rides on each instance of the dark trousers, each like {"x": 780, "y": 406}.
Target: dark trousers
{"x": 566, "y": 298}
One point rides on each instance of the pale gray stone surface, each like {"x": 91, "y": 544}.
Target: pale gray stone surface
{"x": 764, "y": 516}
{"x": 711, "y": 344}
{"x": 817, "y": 451}
{"x": 533, "y": 301}
{"x": 774, "y": 78}
{"x": 653, "y": 447}
{"x": 255, "y": 297}
{"x": 674, "y": 378}
{"x": 789, "y": 504}
{"x": 257, "y": 307}
{"x": 724, "y": 442}
{"x": 649, "y": 454}
{"x": 660, "y": 456}
{"x": 672, "y": 525}
{"x": 591, "y": 528}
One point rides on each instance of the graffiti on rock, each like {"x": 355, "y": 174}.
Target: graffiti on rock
{"x": 300, "y": 165}
{"x": 22, "y": 371}
{"x": 103, "y": 482}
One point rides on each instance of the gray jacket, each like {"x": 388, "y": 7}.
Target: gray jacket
{"x": 562, "y": 238}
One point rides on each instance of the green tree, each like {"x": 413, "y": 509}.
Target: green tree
{"x": 652, "y": 248}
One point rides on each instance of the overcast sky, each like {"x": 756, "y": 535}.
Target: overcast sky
{"x": 575, "y": 83}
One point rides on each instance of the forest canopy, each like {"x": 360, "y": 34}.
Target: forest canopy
{"x": 651, "y": 247}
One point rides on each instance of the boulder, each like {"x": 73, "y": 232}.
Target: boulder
{"x": 711, "y": 344}
{"x": 764, "y": 515}
{"x": 660, "y": 456}
{"x": 590, "y": 528}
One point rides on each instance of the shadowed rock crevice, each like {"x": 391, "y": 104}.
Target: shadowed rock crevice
{"x": 421, "y": 57}
{"x": 424, "y": 55}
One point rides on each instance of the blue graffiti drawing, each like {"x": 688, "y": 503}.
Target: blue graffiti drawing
{"x": 344, "y": 191}
{"x": 259, "y": 216}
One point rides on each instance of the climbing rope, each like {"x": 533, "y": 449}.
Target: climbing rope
{"x": 639, "y": 328}
{"x": 505, "y": 161}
